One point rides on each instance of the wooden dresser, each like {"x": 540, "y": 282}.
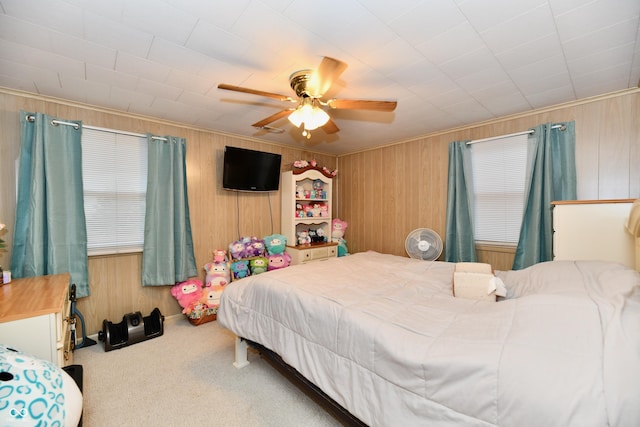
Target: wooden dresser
{"x": 34, "y": 317}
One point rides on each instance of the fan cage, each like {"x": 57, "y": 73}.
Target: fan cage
{"x": 424, "y": 244}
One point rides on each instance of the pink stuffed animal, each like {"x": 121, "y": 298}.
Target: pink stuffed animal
{"x": 186, "y": 293}
{"x": 219, "y": 255}
{"x": 277, "y": 261}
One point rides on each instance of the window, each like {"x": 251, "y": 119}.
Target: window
{"x": 499, "y": 174}
{"x": 114, "y": 174}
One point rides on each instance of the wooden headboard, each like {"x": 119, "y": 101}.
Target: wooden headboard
{"x": 594, "y": 230}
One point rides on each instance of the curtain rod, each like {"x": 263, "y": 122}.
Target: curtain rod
{"x": 31, "y": 118}
{"x": 530, "y": 131}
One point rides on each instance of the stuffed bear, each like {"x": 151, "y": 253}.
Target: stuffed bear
{"x": 217, "y": 273}
{"x": 277, "y": 261}
{"x": 186, "y": 293}
{"x": 275, "y": 243}
{"x": 258, "y": 265}
{"x": 240, "y": 269}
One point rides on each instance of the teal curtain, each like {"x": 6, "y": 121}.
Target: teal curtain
{"x": 459, "y": 241}
{"x": 168, "y": 255}
{"x": 551, "y": 175}
{"x": 50, "y": 234}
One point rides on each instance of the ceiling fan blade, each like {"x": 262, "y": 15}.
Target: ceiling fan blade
{"x": 362, "y": 105}
{"x": 330, "y": 127}
{"x": 324, "y": 76}
{"x": 272, "y": 118}
{"x": 254, "y": 92}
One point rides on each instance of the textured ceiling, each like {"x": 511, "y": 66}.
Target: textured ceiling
{"x": 448, "y": 63}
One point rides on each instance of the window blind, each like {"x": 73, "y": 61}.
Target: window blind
{"x": 114, "y": 169}
{"x": 499, "y": 174}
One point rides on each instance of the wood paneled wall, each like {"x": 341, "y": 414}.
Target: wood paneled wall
{"x": 382, "y": 193}
{"x": 218, "y": 217}
{"x": 387, "y": 192}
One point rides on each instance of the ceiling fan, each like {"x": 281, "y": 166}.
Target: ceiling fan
{"x": 310, "y": 86}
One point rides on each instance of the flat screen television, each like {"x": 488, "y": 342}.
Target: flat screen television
{"x": 250, "y": 170}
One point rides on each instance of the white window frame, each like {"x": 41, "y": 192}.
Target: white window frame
{"x": 114, "y": 178}
{"x": 499, "y": 177}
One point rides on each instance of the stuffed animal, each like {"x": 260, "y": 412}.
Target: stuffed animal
{"x": 210, "y": 297}
{"x": 275, "y": 243}
{"x": 220, "y": 255}
{"x": 299, "y": 192}
{"x": 218, "y": 273}
{"x": 237, "y": 249}
{"x": 255, "y": 247}
{"x": 300, "y": 164}
{"x": 278, "y": 261}
{"x": 258, "y": 265}
{"x": 338, "y": 227}
{"x": 240, "y": 269}
{"x": 322, "y": 235}
{"x": 303, "y": 237}
{"x": 186, "y": 293}
{"x": 317, "y": 235}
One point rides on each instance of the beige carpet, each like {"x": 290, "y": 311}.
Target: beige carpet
{"x": 186, "y": 377}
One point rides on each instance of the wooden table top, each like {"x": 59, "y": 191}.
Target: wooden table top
{"x": 33, "y": 296}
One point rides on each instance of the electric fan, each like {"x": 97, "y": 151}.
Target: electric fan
{"x": 424, "y": 244}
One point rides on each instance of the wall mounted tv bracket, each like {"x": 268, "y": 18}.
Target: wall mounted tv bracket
{"x": 132, "y": 329}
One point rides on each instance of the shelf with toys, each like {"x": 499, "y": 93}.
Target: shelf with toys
{"x": 306, "y": 212}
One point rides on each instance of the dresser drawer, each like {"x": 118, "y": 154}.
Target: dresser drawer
{"x": 300, "y": 255}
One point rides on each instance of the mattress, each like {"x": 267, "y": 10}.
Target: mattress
{"x": 384, "y": 337}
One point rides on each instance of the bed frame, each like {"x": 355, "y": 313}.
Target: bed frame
{"x": 334, "y": 408}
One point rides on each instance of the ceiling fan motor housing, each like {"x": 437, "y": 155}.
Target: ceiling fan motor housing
{"x": 299, "y": 81}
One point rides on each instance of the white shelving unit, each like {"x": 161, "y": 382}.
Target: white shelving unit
{"x": 304, "y": 208}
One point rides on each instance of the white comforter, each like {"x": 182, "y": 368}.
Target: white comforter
{"x": 384, "y": 337}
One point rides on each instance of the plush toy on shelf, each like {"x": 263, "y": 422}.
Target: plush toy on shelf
{"x": 240, "y": 269}
{"x": 237, "y": 249}
{"x": 299, "y": 192}
{"x": 275, "y": 243}
{"x": 338, "y": 227}
{"x": 187, "y": 293}
{"x": 303, "y": 237}
{"x": 258, "y": 265}
{"x": 254, "y": 247}
{"x": 278, "y": 261}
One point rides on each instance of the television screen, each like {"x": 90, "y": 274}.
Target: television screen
{"x": 250, "y": 170}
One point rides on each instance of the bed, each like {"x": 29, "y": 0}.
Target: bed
{"x": 383, "y": 337}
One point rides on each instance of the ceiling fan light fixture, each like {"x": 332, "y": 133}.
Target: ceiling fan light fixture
{"x": 309, "y": 114}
